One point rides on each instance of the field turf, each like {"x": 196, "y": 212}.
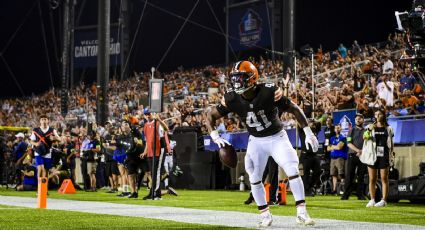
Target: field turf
{"x": 327, "y": 207}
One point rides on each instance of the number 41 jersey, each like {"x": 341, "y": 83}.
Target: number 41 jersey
{"x": 261, "y": 114}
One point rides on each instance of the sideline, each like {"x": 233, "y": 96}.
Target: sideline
{"x": 196, "y": 216}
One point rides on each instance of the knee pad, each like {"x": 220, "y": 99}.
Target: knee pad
{"x": 253, "y": 179}
{"x": 291, "y": 169}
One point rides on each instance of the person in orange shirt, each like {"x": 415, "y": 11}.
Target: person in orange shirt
{"x": 409, "y": 100}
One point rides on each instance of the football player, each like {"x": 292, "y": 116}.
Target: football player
{"x": 258, "y": 105}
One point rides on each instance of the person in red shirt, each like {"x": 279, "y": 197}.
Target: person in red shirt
{"x": 153, "y": 142}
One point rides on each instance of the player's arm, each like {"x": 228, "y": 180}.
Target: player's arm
{"x": 284, "y": 104}
{"x": 212, "y": 116}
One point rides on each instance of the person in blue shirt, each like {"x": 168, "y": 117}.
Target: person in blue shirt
{"x": 30, "y": 176}
{"x": 19, "y": 150}
{"x": 398, "y": 110}
{"x": 21, "y": 146}
{"x": 342, "y": 51}
{"x": 339, "y": 153}
{"x": 407, "y": 81}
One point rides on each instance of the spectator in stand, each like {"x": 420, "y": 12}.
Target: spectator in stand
{"x": 388, "y": 66}
{"x": 409, "y": 100}
{"x": 342, "y": 51}
{"x": 407, "y": 81}
{"x": 356, "y": 50}
{"x": 385, "y": 90}
{"x": 359, "y": 82}
{"x": 398, "y": 110}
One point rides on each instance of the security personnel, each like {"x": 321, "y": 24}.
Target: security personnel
{"x": 354, "y": 168}
{"x": 329, "y": 132}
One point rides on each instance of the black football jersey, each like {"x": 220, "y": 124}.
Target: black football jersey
{"x": 261, "y": 114}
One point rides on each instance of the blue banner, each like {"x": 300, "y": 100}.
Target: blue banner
{"x": 346, "y": 118}
{"x": 85, "y": 48}
{"x": 249, "y": 27}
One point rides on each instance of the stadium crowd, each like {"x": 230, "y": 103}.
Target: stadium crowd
{"x": 366, "y": 78}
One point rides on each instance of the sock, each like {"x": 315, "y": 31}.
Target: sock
{"x": 297, "y": 188}
{"x": 301, "y": 208}
{"x": 126, "y": 188}
{"x": 265, "y": 212}
{"x": 259, "y": 194}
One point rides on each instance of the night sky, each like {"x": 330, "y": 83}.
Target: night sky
{"x": 325, "y": 22}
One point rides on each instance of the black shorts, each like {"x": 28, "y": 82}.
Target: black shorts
{"x": 112, "y": 168}
{"x": 133, "y": 164}
{"x": 381, "y": 162}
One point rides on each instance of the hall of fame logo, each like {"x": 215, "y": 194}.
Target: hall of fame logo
{"x": 250, "y": 28}
{"x": 346, "y": 125}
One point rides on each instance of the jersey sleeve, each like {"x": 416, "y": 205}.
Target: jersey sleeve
{"x": 283, "y": 103}
{"x": 222, "y": 108}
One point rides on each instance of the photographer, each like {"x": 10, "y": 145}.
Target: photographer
{"x": 112, "y": 171}
{"x": 29, "y": 171}
{"x": 123, "y": 143}
{"x": 133, "y": 162}
{"x": 91, "y": 157}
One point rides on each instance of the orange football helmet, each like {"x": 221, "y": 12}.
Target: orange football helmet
{"x": 243, "y": 76}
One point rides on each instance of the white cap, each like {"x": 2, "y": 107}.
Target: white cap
{"x": 20, "y": 135}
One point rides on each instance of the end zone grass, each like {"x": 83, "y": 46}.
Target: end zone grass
{"x": 328, "y": 207}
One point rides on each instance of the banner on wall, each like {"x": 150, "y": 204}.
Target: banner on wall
{"x": 346, "y": 118}
{"x": 249, "y": 27}
{"x": 85, "y": 48}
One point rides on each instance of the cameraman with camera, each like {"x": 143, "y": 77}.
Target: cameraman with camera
{"x": 112, "y": 171}
{"x": 91, "y": 156}
{"x": 133, "y": 162}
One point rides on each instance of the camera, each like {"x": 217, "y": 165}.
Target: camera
{"x": 412, "y": 24}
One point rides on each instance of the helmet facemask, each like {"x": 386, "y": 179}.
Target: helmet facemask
{"x": 241, "y": 81}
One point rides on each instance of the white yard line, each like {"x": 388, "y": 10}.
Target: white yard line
{"x": 196, "y": 216}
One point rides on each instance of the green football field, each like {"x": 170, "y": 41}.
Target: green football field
{"x": 327, "y": 207}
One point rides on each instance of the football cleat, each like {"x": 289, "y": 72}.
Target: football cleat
{"x": 304, "y": 218}
{"x": 265, "y": 221}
